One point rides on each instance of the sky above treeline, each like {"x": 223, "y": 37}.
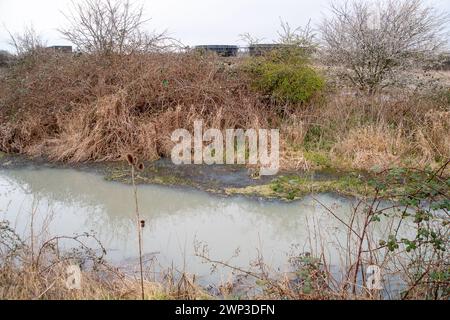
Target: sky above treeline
{"x": 193, "y": 22}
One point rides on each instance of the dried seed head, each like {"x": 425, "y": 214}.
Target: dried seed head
{"x": 140, "y": 166}
{"x": 130, "y": 159}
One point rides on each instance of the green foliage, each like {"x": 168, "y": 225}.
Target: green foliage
{"x": 316, "y": 138}
{"x": 294, "y": 187}
{"x": 309, "y": 273}
{"x": 424, "y": 191}
{"x": 318, "y": 158}
{"x": 285, "y": 76}
{"x": 422, "y": 198}
{"x": 10, "y": 241}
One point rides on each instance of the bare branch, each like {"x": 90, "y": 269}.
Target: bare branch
{"x": 374, "y": 41}
{"x": 110, "y": 26}
{"x": 27, "y": 42}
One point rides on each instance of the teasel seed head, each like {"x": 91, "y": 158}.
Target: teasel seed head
{"x": 130, "y": 159}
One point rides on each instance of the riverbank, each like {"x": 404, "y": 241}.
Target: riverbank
{"x": 223, "y": 180}
{"x": 97, "y": 110}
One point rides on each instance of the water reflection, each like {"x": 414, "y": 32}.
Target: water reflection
{"x": 82, "y": 201}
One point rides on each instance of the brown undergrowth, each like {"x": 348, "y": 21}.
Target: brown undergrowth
{"x": 91, "y": 108}
{"x": 88, "y": 108}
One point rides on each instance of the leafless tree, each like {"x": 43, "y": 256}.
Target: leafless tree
{"x": 27, "y": 42}
{"x": 110, "y": 26}
{"x": 249, "y": 39}
{"x": 301, "y": 36}
{"x": 375, "y": 41}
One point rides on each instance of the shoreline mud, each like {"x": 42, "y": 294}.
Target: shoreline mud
{"x": 226, "y": 180}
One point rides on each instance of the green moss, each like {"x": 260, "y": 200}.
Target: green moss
{"x": 164, "y": 180}
{"x": 289, "y": 187}
{"x": 264, "y": 190}
{"x": 117, "y": 175}
{"x": 150, "y": 175}
{"x": 295, "y": 187}
{"x": 352, "y": 184}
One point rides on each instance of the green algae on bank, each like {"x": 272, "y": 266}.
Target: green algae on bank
{"x": 236, "y": 180}
{"x": 205, "y": 177}
{"x": 295, "y": 187}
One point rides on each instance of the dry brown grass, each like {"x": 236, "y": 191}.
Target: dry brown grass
{"x": 31, "y": 282}
{"x": 394, "y": 129}
{"x": 372, "y": 146}
{"x": 433, "y": 136}
{"x": 35, "y": 267}
{"x": 93, "y": 109}
{"x": 88, "y": 108}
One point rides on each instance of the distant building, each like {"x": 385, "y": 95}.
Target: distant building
{"x": 61, "y": 49}
{"x": 221, "y": 50}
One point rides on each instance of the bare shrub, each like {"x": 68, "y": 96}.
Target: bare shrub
{"x": 303, "y": 37}
{"x": 250, "y": 39}
{"x": 96, "y": 109}
{"x": 110, "y": 26}
{"x": 373, "y": 42}
{"x": 27, "y": 43}
{"x": 399, "y": 226}
{"x": 43, "y": 275}
{"x": 89, "y": 110}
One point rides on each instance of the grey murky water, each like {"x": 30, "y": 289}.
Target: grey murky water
{"x": 74, "y": 201}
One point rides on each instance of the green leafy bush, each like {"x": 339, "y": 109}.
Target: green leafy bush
{"x": 285, "y": 76}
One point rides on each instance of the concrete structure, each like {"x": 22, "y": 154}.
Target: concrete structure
{"x": 221, "y": 50}
{"x": 61, "y": 49}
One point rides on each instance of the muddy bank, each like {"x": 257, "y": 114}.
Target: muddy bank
{"x": 218, "y": 179}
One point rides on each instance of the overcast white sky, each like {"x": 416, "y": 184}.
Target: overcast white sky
{"x": 191, "y": 21}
